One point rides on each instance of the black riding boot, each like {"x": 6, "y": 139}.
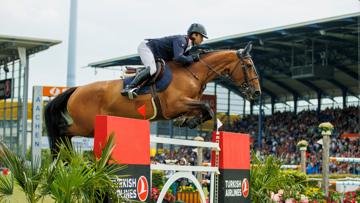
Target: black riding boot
{"x": 130, "y": 89}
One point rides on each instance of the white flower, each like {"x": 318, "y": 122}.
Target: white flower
{"x": 326, "y": 126}
{"x": 302, "y": 143}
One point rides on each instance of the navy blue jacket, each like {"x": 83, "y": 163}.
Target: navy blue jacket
{"x": 171, "y": 48}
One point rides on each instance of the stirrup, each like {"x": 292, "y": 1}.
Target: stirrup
{"x": 132, "y": 93}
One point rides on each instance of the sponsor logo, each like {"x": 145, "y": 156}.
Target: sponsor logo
{"x": 245, "y": 187}
{"x": 51, "y": 91}
{"x": 142, "y": 188}
{"x": 55, "y": 91}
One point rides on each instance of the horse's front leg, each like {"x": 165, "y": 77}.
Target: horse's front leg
{"x": 181, "y": 121}
{"x": 205, "y": 113}
{"x": 189, "y": 112}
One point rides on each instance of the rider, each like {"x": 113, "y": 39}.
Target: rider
{"x": 166, "y": 48}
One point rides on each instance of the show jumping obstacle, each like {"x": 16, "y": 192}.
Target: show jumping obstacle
{"x": 230, "y": 170}
{"x": 345, "y": 159}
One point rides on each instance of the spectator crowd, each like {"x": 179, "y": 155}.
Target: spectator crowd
{"x": 281, "y": 133}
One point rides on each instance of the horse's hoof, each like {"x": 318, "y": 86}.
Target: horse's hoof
{"x": 183, "y": 125}
{"x": 192, "y": 123}
{"x": 179, "y": 122}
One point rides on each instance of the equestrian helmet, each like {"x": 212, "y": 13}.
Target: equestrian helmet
{"x": 198, "y": 28}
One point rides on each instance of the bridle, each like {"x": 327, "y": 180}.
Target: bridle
{"x": 246, "y": 82}
{"x": 245, "y": 85}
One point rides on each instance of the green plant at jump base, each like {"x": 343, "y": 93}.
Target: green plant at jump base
{"x": 6, "y": 187}
{"x": 157, "y": 179}
{"x": 28, "y": 177}
{"x": 69, "y": 178}
{"x": 266, "y": 177}
{"x": 314, "y": 193}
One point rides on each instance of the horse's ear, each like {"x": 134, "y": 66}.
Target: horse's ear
{"x": 247, "y": 49}
{"x": 241, "y": 53}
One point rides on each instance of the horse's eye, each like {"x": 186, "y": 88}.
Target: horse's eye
{"x": 248, "y": 65}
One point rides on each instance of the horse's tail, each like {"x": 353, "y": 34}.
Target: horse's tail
{"x": 55, "y": 122}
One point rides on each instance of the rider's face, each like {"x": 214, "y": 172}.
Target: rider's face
{"x": 197, "y": 38}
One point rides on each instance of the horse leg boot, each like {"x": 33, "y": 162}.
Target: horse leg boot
{"x": 130, "y": 89}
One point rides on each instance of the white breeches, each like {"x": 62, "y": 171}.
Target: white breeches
{"x": 147, "y": 57}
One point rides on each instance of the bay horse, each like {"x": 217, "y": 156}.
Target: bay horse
{"x": 73, "y": 112}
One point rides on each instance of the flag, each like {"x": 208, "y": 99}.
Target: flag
{"x": 142, "y": 110}
{"x": 218, "y": 124}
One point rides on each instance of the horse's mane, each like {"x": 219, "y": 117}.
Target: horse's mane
{"x": 204, "y": 49}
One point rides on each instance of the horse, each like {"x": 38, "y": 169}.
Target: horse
{"x": 73, "y": 112}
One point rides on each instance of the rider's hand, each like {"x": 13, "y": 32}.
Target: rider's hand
{"x": 196, "y": 57}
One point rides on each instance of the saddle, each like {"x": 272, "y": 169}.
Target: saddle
{"x": 160, "y": 80}
{"x": 160, "y": 67}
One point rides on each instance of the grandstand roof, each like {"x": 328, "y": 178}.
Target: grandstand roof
{"x": 330, "y": 43}
{"x": 9, "y": 45}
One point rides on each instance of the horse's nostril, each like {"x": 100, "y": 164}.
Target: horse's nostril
{"x": 257, "y": 93}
